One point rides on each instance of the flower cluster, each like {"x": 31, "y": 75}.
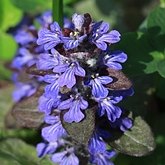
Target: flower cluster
{"x": 76, "y": 62}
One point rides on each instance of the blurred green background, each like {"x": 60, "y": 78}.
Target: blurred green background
{"x": 142, "y": 25}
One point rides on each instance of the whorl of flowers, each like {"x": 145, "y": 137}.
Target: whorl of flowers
{"x": 77, "y": 61}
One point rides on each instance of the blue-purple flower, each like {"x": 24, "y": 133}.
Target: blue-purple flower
{"x": 53, "y": 88}
{"x": 24, "y": 36}
{"x": 48, "y": 103}
{"x": 69, "y": 71}
{"x": 23, "y": 90}
{"x": 97, "y": 83}
{"x": 46, "y": 148}
{"x": 78, "y": 21}
{"x": 73, "y": 40}
{"x": 66, "y": 157}
{"x": 55, "y": 130}
{"x": 106, "y": 106}
{"x": 101, "y": 35}
{"x": 124, "y": 123}
{"x": 113, "y": 59}
{"x": 75, "y": 36}
{"x": 50, "y": 38}
{"x": 23, "y": 58}
{"x": 98, "y": 153}
{"x": 74, "y": 106}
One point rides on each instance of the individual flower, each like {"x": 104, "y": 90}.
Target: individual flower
{"x": 50, "y": 38}
{"x": 124, "y": 123}
{"x": 97, "y": 83}
{"x": 113, "y": 59}
{"x": 23, "y": 58}
{"x": 48, "y": 61}
{"x": 74, "y": 106}
{"x": 101, "y": 35}
{"x": 66, "y": 157}
{"x": 46, "y": 148}
{"x": 53, "y": 88}
{"x": 23, "y": 90}
{"x": 45, "y": 19}
{"x": 78, "y": 21}
{"x": 24, "y": 36}
{"x": 106, "y": 106}
{"x": 48, "y": 103}
{"x": 98, "y": 153}
{"x": 69, "y": 70}
{"x": 55, "y": 130}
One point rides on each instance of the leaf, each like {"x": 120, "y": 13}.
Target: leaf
{"x": 33, "y": 7}
{"x": 7, "y": 53}
{"x": 161, "y": 68}
{"x": 107, "y": 11}
{"x": 137, "y": 47}
{"x": 138, "y": 141}
{"x": 6, "y": 102}
{"x": 81, "y": 132}
{"x": 10, "y": 15}
{"x": 120, "y": 81}
{"x": 156, "y": 20}
{"x": 27, "y": 114}
{"x": 5, "y": 73}
{"x": 17, "y": 152}
{"x": 144, "y": 54}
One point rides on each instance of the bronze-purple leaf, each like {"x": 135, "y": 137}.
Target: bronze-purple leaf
{"x": 120, "y": 81}
{"x": 81, "y": 132}
{"x": 26, "y": 112}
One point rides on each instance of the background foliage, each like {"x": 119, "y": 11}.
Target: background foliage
{"x": 143, "y": 39}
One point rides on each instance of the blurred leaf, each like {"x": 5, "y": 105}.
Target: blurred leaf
{"x": 27, "y": 114}
{"x": 137, "y": 141}
{"x": 145, "y": 55}
{"x": 6, "y": 102}
{"x": 156, "y": 19}
{"x": 16, "y": 152}
{"x": 98, "y": 12}
{"x": 8, "y": 46}
{"x": 5, "y": 73}
{"x": 162, "y": 3}
{"x": 66, "y": 2}
{"x": 161, "y": 68}
{"x": 10, "y": 15}
{"x": 138, "y": 49}
{"x": 33, "y": 6}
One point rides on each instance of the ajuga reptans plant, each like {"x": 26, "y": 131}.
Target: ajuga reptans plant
{"x": 83, "y": 84}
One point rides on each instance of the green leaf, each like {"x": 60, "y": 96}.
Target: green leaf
{"x": 10, "y": 15}
{"x": 152, "y": 66}
{"x": 107, "y": 11}
{"x": 17, "y": 152}
{"x": 162, "y": 3}
{"x": 138, "y": 49}
{"x": 33, "y": 6}
{"x": 156, "y": 20}
{"x": 161, "y": 68}
{"x": 5, "y": 102}
{"x": 137, "y": 141}
{"x": 8, "y": 47}
{"x": 5, "y": 73}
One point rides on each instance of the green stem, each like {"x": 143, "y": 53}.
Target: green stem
{"x": 57, "y": 10}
